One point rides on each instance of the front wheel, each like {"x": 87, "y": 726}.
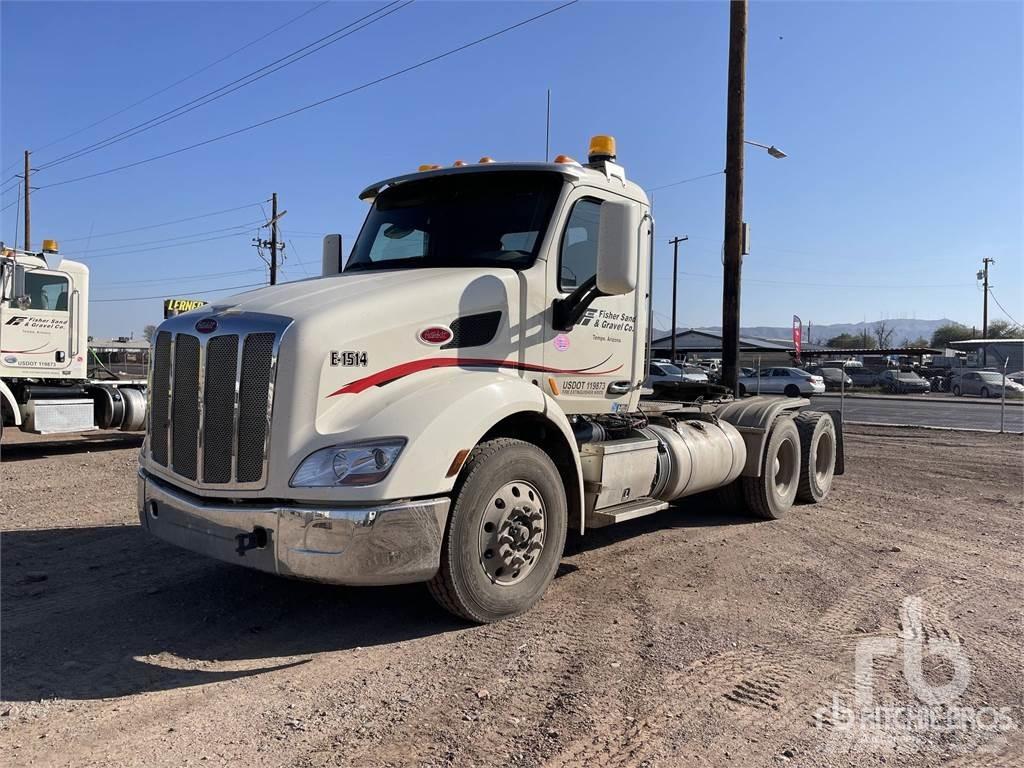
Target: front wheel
{"x": 506, "y": 533}
{"x": 956, "y": 391}
{"x": 742, "y": 390}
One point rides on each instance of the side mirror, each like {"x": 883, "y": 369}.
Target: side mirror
{"x": 617, "y": 248}
{"x": 18, "y": 292}
{"x": 331, "y": 264}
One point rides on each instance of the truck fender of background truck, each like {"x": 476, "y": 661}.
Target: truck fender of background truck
{"x": 452, "y": 410}
{"x": 8, "y": 397}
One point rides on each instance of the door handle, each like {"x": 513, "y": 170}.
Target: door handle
{"x": 619, "y": 387}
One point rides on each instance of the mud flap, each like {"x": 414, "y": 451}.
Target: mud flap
{"x": 837, "y": 419}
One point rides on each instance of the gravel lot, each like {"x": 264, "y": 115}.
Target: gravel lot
{"x": 696, "y": 637}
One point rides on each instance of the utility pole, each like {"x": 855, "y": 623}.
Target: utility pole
{"x": 274, "y": 242}
{"x": 984, "y": 312}
{"x": 674, "y": 242}
{"x": 28, "y": 215}
{"x": 733, "y": 258}
{"x": 273, "y": 239}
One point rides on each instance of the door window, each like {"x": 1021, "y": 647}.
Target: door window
{"x": 579, "y": 245}
{"x": 44, "y": 291}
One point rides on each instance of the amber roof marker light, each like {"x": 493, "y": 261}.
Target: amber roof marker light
{"x": 602, "y": 147}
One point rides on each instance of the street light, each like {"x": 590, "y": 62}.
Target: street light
{"x": 772, "y": 150}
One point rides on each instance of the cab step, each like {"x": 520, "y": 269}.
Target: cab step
{"x": 620, "y": 513}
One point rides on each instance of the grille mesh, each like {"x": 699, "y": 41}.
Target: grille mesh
{"x": 219, "y": 408}
{"x": 159, "y": 398}
{"x": 253, "y": 391}
{"x": 185, "y": 405}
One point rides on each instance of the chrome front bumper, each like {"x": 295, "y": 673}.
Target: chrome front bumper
{"x": 394, "y": 543}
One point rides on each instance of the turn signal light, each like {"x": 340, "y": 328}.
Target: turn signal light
{"x": 486, "y": 159}
{"x": 565, "y": 159}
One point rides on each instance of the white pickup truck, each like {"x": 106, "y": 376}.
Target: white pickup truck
{"x": 452, "y": 402}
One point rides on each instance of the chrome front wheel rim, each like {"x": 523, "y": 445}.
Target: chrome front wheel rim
{"x": 511, "y": 536}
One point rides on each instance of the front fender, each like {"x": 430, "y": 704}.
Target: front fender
{"x": 444, "y": 413}
{"x": 7, "y": 395}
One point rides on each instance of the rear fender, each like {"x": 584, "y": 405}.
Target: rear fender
{"x": 753, "y": 417}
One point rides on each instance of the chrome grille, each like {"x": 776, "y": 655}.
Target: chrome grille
{"x": 253, "y": 396}
{"x": 158, "y": 414}
{"x": 219, "y": 408}
{"x": 185, "y": 406}
{"x": 212, "y": 397}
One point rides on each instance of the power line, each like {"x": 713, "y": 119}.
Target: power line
{"x": 162, "y": 223}
{"x": 165, "y": 295}
{"x": 827, "y": 285}
{"x": 234, "y": 85}
{"x": 685, "y": 181}
{"x": 133, "y": 251}
{"x": 1001, "y": 307}
{"x": 182, "y": 80}
{"x": 246, "y": 227}
{"x": 319, "y": 103}
{"x": 206, "y": 275}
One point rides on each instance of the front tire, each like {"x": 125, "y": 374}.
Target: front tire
{"x": 505, "y": 535}
{"x": 817, "y": 455}
{"x": 956, "y": 391}
{"x": 770, "y": 495}
{"x": 742, "y": 390}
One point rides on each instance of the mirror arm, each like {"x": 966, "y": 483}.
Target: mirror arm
{"x": 568, "y": 311}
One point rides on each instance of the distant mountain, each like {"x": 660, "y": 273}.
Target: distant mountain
{"x": 904, "y": 328}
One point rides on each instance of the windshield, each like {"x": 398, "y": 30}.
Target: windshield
{"x": 671, "y": 370}
{"x": 463, "y": 220}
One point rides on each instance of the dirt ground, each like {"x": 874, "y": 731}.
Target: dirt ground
{"x": 695, "y": 637}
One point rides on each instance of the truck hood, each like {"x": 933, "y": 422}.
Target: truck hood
{"x": 355, "y": 341}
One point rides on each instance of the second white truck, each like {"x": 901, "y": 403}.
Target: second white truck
{"x": 454, "y": 399}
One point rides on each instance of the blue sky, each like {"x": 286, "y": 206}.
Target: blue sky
{"x": 903, "y": 124}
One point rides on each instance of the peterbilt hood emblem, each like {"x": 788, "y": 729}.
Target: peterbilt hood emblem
{"x": 207, "y": 325}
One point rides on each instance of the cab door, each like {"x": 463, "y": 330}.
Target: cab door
{"x": 35, "y": 327}
{"x": 592, "y": 368}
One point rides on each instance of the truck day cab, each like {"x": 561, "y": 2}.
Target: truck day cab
{"x": 452, "y": 402}
{"x": 44, "y": 346}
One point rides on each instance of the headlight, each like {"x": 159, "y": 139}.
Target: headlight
{"x": 363, "y": 463}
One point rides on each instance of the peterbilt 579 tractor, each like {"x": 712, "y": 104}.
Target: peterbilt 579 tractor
{"x": 45, "y": 384}
{"x": 451, "y": 401}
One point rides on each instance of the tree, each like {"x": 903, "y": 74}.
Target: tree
{"x": 950, "y": 332}
{"x": 850, "y": 341}
{"x": 920, "y": 341}
{"x": 148, "y": 332}
{"x": 883, "y": 333}
{"x": 1000, "y": 329}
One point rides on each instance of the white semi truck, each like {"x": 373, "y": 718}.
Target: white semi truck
{"x": 455, "y": 399}
{"x": 45, "y": 386}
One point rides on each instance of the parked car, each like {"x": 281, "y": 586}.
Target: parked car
{"x": 1017, "y": 377}
{"x": 863, "y": 377}
{"x": 903, "y": 382}
{"x": 792, "y": 382}
{"x": 659, "y": 371}
{"x": 835, "y": 378}
{"x": 984, "y": 384}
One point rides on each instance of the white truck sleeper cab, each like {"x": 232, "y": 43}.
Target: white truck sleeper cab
{"x": 446, "y": 407}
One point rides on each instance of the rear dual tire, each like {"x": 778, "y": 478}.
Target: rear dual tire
{"x": 817, "y": 455}
{"x": 771, "y": 494}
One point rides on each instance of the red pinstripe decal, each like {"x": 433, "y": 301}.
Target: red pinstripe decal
{"x": 407, "y": 369}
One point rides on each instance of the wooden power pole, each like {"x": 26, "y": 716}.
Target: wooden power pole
{"x": 273, "y": 239}
{"x": 28, "y": 215}
{"x": 674, "y": 242}
{"x": 733, "y": 256}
